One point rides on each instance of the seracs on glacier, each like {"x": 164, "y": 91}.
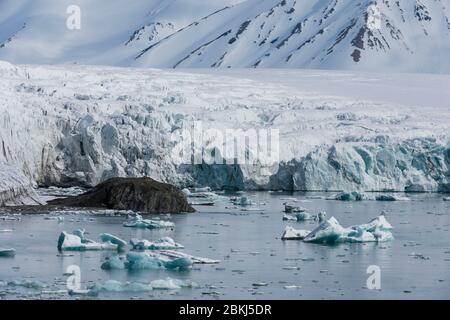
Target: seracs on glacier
{"x": 79, "y": 125}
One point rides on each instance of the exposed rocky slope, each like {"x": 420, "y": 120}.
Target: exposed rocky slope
{"x": 136, "y": 194}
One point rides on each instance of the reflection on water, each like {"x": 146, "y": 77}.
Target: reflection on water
{"x": 255, "y": 263}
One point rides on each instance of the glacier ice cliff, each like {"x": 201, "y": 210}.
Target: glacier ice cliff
{"x": 81, "y": 125}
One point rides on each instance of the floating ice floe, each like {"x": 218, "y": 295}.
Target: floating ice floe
{"x": 25, "y": 283}
{"x": 6, "y": 230}
{"x": 241, "y": 201}
{"x": 14, "y": 217}
{"x": 304, "y": 216}
{"x": 288, "y": 217}
{"x": 202, "y": 203}
{"x": 6, "y": 253}
{"x": 446, "y": 199}
{"x": 391, "y": 197}
{"x": 357, "y": 196}
{"x": 330, "y": 232}
{"x": 350, "y": 196}
{"x": 78, "y": 242}
{"x": 138, "y": 222}
{"x": 288, "y": 208}
{"x": 177, "y": 254}
{"x": 117, "y": 286}
{"x": 109, "y": 238}
{"x": 161, "y": 244}
{"x": 146, "y": 261}
{"x": 54, "y": 218}
{"x": 292, "y": 234}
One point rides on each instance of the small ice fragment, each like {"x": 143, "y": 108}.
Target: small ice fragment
{"x": 288, "y": 217}
{"x": 143, "y": 260}
{"x": 171, "y": 284}
{"x": 446, "y": 199}
{"x": 290, "y": 287}
{"x": 288, "y": 208}
{"x": 106, "y": 237}
{"x": 113, "y": 263}
{"x": 292, "y": 234}
{"x": 161, "y": 244}
{"x": 390, "y": 197}
{"x": 241, "y": 201}
{"x": 7, "y": 253}
{"x": 138, "y": 222}
{"x": 195, "y": 259}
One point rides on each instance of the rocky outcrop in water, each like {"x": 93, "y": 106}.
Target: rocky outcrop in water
{"x": 136, "y": 194}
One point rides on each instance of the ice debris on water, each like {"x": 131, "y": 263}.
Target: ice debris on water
{"x": 6, "y": 253}
{"x": 138, "y": 222}
{"x": 241, "y": 201}
{"x": 163, "y": 284}
{"x": 161, "y": 244}
{"x": 289, "y": 217}
{"x": 358, "y": 196}
{"x": 106, "y": 237}
{"x": 292, "y": 234}
{"x": 330, "y": 232}
{"x": 349, "y": 196}
{"x": 177, "y": 254}
{"x": 447, "y": 199}
{"x": 289, "y": 208}
{"x": 146, "y": 261}
{"x": 78, "y": 242}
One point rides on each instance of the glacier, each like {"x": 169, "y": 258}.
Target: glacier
{"x": 74, "y": 125}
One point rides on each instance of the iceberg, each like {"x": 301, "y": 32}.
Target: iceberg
{"x": 25, "y": 283}
{"x": 161, "y": 244}
{"x": 390, "y": 197}
{"x": 143, "y": 260}
{"x": 78, "y": 242}
{"x": 177, "y": 254}
{"x": 117, "y": 286}
{"x": 292, "y": 234}
{"x": 138, "y": 222}
{"x": 172, "y": 284}
{"x": 106, "y": 237}
{"x": 331, "y": 232}
{"x": 349, "y": 196}
{"x": 6, "y": 253}
{"x": 446, "y": 199}
{"x": 304, "y": 216}
{"x": 288, "y": 217}
{"x": 114, "y": 263}
{"x": 288, "y": 208}
{"x": 241, "y": 201}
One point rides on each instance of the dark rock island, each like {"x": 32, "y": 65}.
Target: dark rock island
{"x": 136, "y": 194}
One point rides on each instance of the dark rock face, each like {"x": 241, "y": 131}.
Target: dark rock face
{"x": 137, "y": 194}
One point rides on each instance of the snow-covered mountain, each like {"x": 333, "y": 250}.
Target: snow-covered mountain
{"x": 112, "y": 32}
{"x": 412, "y": 35}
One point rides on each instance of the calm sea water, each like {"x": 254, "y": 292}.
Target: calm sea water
{"x": 415, "y": 265}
